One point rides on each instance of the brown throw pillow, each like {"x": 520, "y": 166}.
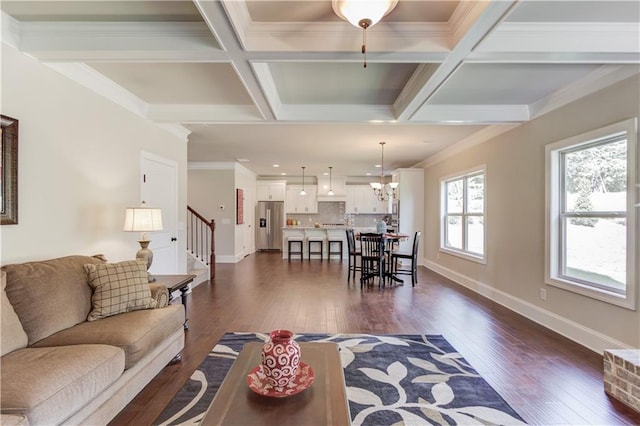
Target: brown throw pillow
{"x": 118, "y": 287}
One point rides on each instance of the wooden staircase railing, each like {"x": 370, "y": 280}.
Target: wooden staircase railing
{"x": 201, "y": 239}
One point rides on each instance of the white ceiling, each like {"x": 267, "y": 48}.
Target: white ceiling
{"x": 283, "y": 82}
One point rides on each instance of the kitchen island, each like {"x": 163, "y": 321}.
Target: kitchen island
{"x": 326, "y": 233}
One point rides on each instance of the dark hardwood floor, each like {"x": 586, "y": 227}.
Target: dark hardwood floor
{"x": 545, "y": 377}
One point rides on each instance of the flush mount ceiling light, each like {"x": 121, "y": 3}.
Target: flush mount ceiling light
{"x": 363, "y": 14}
{"x": 383, "y": 191}
{"x": 303, "y": 192}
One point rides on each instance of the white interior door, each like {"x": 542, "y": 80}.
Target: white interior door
{"x": 159, "y": 189}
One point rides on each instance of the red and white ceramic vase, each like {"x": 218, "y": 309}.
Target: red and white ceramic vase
{"x": 280, "y": 358}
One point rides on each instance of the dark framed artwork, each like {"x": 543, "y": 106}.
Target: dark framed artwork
{"x": 239, "y": 206}
{"x": 9, "y": 171}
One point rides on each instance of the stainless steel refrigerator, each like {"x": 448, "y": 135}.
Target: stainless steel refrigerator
{"x": 270, "y": 216}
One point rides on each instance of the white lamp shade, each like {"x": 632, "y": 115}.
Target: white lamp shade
{"x": 142, "y": 219}
{"x": 393, "y": 185}
{"x": 356, "y": 10}
{"x": 376, "y": 185}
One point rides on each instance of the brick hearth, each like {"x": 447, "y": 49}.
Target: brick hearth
{"x": 622, "y": 376}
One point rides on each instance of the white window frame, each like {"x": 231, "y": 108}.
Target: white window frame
{"x": 553, "y": 205}
{"x": 465, "y": 254}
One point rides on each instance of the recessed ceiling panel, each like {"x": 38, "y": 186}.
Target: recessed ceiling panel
{"x": 507, "y": 84}
{"x": 321, "y": 11}
{"x": 344, "y": 83}
{"x": 576, "y": 11}
{"x": 101, "y": 11}
{"x": 178, "y": 83}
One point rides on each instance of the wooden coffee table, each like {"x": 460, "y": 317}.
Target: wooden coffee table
{"x": 324, "y": 403}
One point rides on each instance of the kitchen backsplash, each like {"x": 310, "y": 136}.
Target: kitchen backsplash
{"x": 332, "y": 212}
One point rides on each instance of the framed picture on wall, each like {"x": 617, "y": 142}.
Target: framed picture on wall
{"x": 239, "y": 206}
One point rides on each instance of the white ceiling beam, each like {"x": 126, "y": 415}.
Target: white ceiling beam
{"x": 572, "y": 37}
{"x": 215, "y": 18}
{"x": 553, "y": 58}
{"x": 337, "y": 113}
{"x": 486, "y": 16}
{"x": 174, "y": 113}
{"x": 85, "y": 41}
{"x": 472, "y": 114}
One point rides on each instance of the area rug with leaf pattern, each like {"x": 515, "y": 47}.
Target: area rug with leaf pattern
{"x": 390, "y": 380}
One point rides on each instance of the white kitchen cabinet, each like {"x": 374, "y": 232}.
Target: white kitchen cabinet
{"x": 362, "y": 200}
{"x": 270, "y": 191}
{"x": 301, "y": 204}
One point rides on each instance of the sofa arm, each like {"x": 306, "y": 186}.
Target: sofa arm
{"x": 160, "y": 294}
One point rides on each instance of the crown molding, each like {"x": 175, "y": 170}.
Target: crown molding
{"x": 93, "y": 80}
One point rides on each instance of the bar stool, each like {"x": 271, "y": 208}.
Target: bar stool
{"x": 298, "y": 242}
{"x": 338, "y": 251}
{"x": 315, "y": 240}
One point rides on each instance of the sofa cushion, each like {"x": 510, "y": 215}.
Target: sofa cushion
{"x": 49, "y": 295}
{"x": 50, "y": 384}
{"x": 12, "y": 334}
{"x": 136, "y": 332}
{"x": 118, "y": 288}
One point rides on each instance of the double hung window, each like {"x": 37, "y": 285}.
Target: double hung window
{"x": 591, "y": 224}
{"x": 463, "y": 215}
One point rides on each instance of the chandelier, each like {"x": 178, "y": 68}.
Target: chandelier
{"x": 384, "y": 192}
{"x": 363, "y": 14}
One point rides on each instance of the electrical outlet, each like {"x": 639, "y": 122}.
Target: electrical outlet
{"x": 543, "y": 293}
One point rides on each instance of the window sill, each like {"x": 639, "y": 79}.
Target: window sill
{"x": 627, "y": 301}
{"x": 464, "y": 255}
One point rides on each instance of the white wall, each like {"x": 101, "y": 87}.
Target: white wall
{"x": 79, "y": 166}
{"x": 210, "y": 188}
{"x": 515, "y": 179}
{"x": 212, "y": 185}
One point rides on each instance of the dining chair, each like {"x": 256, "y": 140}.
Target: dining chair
{"x": 413, "y": 260}
{"x": 354, "y": 254}
{"x": 372, "y": 247}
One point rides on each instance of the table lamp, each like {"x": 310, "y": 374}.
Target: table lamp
{"x": 143, "y": 219}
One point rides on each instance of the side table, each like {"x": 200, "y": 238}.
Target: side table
{"x": 174, "y": 283}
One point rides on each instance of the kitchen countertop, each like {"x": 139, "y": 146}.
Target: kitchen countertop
{"x": 313, "y": 227}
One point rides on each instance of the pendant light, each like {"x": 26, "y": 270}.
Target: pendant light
{"x": 383, "y": 191}
{"x": 330, "y": 182}
{"x": 303, "y": 192}
{"x": 363, "y": 14}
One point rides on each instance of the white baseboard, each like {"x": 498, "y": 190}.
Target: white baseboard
{"x": 585, "y": 336}
{"x": 227, "y": 259}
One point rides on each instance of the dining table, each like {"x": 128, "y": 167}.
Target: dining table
{"x": 391, "y": 240}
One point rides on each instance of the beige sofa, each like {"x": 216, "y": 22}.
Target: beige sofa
{"x": 80, "y": 338}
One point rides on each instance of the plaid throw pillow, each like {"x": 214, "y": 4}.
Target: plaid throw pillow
{"x": 118, "y": 287}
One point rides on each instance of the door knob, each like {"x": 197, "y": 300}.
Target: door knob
{"x": 174, "y": 239}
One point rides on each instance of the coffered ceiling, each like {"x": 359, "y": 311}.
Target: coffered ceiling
{"x": 283, "y": 82}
